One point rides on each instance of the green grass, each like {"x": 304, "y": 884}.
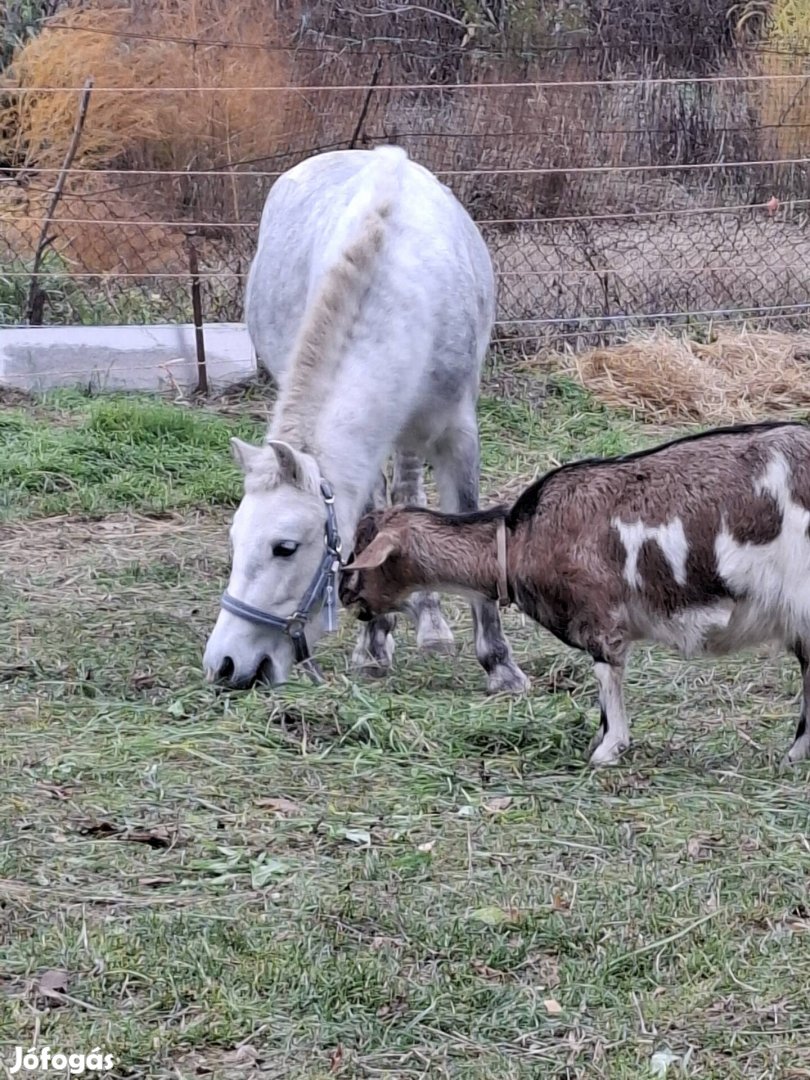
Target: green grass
{"x": 400, "y": 879}
{"x": 81, "y": 454}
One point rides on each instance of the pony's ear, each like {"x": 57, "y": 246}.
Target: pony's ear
{"x": 381, "y": 548}
{"x": 244, "y": 454}
{"x": 295, "y": 467}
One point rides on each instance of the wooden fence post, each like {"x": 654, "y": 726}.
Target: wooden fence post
{"x": 196, "y": 304}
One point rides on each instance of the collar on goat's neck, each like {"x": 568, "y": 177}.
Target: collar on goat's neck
{"x": 503, "y": 572}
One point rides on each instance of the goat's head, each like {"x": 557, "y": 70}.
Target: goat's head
{"x": 376, "y": 580}
{"x": 277, "y": 542}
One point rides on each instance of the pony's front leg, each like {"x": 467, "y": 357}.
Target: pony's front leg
{"x": 456, "y": 466}
{"x": 374, "y": 650}
{"x": 408, "y": 489}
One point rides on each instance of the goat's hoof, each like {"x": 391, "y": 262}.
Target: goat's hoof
{"x": 507, "y": 679}
{"x": 608, "y": 754}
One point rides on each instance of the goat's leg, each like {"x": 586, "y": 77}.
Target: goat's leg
{"x": 374, "y": 651}
{"x": 408, "y": 489}
{"x": 613, "y": 735}
{"x": 457, "y": 469}
{"x": 801, "y": 743}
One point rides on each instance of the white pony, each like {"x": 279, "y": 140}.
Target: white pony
{"x": 371, "y": 301}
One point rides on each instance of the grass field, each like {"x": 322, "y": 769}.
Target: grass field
{"x": 393, "y": 879}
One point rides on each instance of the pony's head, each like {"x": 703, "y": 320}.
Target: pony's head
{"x": 277, "y": 545}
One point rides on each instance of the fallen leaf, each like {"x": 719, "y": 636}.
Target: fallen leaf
{"x": 699, "y": 848}
{"x": 485, "y": 971}
{"x": 53, "y": 983}
{"x": 552, "y": 1007}
{"x": 158, "y": 838}
{"x": 499, "y": 803}
{"x": 358, "y": 836}
{"x": 241, "y": 1057}
{"x": 559, "y": 902}
{"x": 53, "y": 791}
{"x": 99, "y": 829}
{"x": 336, "y": 1058}
{"x": 393, "y": 1008}
{"x": 282, "y": 806}
{"x": 495, "y": 916}
{"x": 661, "y": 1061}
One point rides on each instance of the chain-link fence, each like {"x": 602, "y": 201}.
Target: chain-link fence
{"x": 608, "y": 203}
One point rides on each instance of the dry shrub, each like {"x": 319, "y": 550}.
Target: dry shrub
{"x": 736, "y": 377}
{"x": 147, "y": 129}
{"x": 187, "y": 129}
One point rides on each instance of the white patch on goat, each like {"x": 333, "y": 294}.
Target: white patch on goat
{"x": 688, "y": 631}
{"x": 774, "y": 577}
{"x": 671, "y": 539}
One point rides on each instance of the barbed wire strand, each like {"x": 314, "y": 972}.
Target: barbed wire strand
{"x": 521, "y": 171}
{"x": 181, "y": 224}
{"x": 426, "y": 87}
{"x": 595, "y": 46}
{"x": 559, "y": 273}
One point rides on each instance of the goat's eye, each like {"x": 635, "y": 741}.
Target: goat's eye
{"x": 285, "y": 549}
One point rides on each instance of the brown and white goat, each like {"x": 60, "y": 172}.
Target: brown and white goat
{"x": 701, "y": 544}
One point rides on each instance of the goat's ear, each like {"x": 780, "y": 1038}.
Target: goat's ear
{"x": 244, "y": 454}
{"x": 382, "y": 547}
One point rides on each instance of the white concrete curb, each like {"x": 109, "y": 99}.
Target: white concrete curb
{"x": 148, "y": 358}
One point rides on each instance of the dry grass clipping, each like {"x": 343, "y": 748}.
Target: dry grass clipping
{"x": 736, "y": 377}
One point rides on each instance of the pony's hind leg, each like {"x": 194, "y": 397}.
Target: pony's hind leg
{"x": 457, "y": 469}
{"x": 801, "y": 742}
{"x": 374, "y": 651}
{"x": 408, "y": 489}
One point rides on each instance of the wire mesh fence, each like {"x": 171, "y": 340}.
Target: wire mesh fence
{"x": 609, "y": 201}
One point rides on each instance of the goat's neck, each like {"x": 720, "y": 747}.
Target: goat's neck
{"x": 459, "y": 557}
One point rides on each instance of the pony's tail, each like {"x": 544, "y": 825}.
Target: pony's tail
{"x": 333, "y": 312}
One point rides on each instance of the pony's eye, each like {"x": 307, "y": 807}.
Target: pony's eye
{"x": 285, "y": 549}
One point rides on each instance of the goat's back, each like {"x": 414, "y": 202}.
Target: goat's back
{"x": 704, "y": 541}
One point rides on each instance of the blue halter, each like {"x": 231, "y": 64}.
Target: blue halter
{"x": 322, "y": 587}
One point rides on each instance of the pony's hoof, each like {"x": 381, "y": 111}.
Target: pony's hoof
{"x": 372, "y": 670}
{"x": 507, "y": 679}
{"x": 437, "y": 646}
{"x": 608, "y": 754}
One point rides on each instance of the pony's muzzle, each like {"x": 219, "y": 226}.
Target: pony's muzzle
{"x": 227, "y": 675}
